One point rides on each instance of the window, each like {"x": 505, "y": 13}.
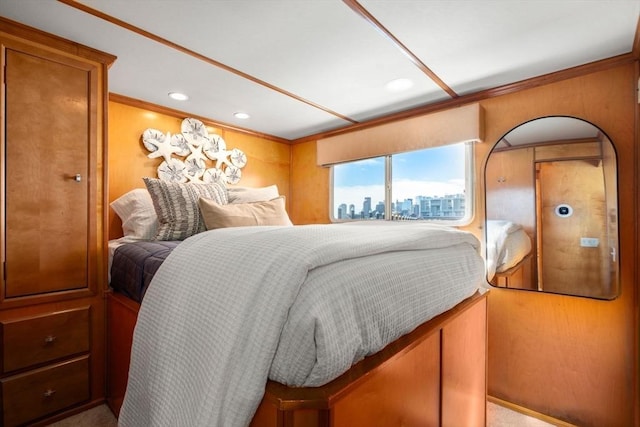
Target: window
{"x": 433, "y": 184}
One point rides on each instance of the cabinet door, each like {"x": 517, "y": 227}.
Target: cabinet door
{"x": 47, "y": 159}
{"x": 464, "y": 368}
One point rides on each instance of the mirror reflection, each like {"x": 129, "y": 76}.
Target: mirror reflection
{"x": 552, "y": 209}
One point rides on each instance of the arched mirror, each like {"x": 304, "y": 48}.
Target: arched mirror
{"x": 552, "y": 209}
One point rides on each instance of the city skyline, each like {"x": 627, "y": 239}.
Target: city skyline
{"x": 448, "y": 206}
{"x": 435, "y": 172}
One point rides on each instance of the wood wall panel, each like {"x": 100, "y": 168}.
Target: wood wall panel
{"x": 268, "y": 162}
{"x": 510, "y": 181}
{"x": 375, "y": 401}
{"x": 309, "y": 186}
{"x": 567, "y": 266}
{"x": 461, "y": 385}
{"x": 569, "y": 357}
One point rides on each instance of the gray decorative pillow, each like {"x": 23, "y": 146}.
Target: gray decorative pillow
{"x": 176, "y": 205}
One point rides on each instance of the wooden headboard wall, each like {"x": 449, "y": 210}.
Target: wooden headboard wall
{"x": 268, "y": 160}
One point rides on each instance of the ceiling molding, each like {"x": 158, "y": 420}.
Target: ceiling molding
{"x": 419, "y": 103}
{"x": 636, "y": 41}
{"x": 36, "y": 35}
{"x": 358, "y": 9}
{"x": 86, "y": 9}
{"x": 557, "y": 76}
{"x": 155, "y": 108}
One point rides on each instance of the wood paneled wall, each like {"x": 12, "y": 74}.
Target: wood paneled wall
{"x": 571, "y": 358}
{"x": 268, "y": 162}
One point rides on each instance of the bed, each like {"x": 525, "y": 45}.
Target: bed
{"x": 206, "y": 354}
{"x": 509, "y": 254}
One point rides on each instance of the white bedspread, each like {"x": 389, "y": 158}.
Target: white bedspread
{"x": 209, "y": 329}
{"x": 507, "y": 245}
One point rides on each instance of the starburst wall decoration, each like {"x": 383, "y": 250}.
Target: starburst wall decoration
{"x": 198, "y": 149}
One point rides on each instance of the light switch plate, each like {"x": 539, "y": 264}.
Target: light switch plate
{"x": 589, "y": 242}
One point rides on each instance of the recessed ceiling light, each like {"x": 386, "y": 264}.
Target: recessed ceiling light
{"x": 178, "y": 96}
{"x": 398, "y": 85}
{"x": 241, "y": 115}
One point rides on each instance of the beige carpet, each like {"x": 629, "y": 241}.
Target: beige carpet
{"x": 100, "y": 416}
{"x": 497, "y": 416}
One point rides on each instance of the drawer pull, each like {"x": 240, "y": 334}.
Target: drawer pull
{"x": 49, "y": 393}
{"x": 49, "y": 339}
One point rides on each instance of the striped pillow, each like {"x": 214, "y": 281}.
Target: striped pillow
{"x": 176, "y": 205}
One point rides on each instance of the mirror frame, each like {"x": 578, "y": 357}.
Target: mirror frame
{"x": 539, "y": 156}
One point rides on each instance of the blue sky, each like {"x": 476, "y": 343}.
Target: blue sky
{"x": 433, "y": 172}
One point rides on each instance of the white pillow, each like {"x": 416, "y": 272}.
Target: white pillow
{"x": 252, "y": 194}
{"x": 271, "y": 212}
{"x": 139, "y": 219}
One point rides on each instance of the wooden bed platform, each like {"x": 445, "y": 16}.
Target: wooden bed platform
{"x": 520, "y": 276}
{"x": 433, "y": 376}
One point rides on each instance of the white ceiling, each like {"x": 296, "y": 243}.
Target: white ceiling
{"x": 302, "y": 67}
{"x": 548, "y": 129}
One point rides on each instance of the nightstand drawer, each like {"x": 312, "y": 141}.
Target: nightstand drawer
{"x": 36, "y": 393}
{"x": 40, "y": 339}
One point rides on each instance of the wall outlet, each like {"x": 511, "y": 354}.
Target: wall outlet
{"x": 589, "y": 242}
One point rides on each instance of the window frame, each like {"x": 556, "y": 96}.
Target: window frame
{"x": 388, "y": 191}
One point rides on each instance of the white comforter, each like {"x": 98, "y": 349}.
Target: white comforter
{"x": 507, "y": 245}
{"x": 208, "y": 332}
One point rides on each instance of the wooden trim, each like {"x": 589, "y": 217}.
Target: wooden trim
{"x": 358, "y": 9}
{"x": 289, "y": 398}
{"x": 75, "y": 4}
{"x": 284, "y": 406}
{"x": 541, "y": 144}
{"x": 29, "y": 34}
{"x": 452, "y": 126}
{"x": 636, "y": 271}
{"x": 182, "y": 114}
{"x": 529, "y": 412}
{"x": 636, "y": 41}
{"x": 522, "y": 85}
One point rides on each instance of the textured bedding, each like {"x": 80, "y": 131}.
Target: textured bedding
{"x": 231, "y": 307}
{"x": 507, "y": 245}
{"x": 134, "y": 264}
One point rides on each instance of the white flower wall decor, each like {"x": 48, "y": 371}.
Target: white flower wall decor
{"x": 190, "y": 155}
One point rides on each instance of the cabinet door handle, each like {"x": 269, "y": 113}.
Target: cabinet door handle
{"x": 49, "y": 393}
{"x": 49, "y": 339}
{"x": 77, "y": 177}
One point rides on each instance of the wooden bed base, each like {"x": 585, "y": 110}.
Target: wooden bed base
{"x": 520, "y": 276}
{"x": 434, "y": 376}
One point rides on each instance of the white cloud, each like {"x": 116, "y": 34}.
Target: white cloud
{"x": 409, "y": 189}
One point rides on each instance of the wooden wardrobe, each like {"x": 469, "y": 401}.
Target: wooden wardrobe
{"x": 52, "y": 218}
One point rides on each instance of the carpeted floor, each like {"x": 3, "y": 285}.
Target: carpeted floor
{"x": 497, "y": 416}
{"x": 100, "y": 416}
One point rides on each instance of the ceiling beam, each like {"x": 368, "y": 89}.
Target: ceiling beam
{"x": 98, "y": 14}
{"x": 357, "y": 8}
{"x": 533, "y": 82}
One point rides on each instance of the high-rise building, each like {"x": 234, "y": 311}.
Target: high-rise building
{"x": 366, "y": 207}
{"x": 342, "y": 211}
